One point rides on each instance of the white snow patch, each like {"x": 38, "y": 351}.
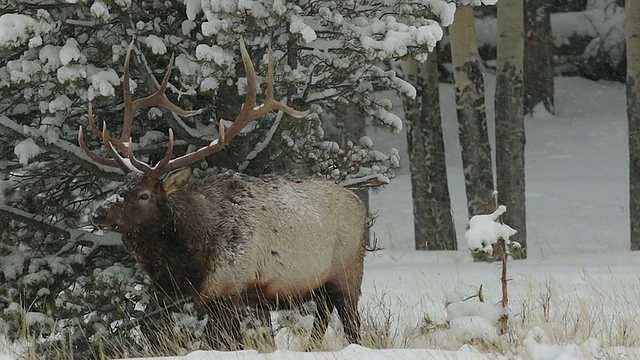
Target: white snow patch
{"x": 102, "y": 84}
{"x": 470, "y": 328}
{"x": 14, "y": 29}
{"x": 485, "y": 230}
{"x": 61, "y": 103}
{"x": 70, "y": 53}
{"x": 100, "y": 11}
{"x": 26, "y": 150}
{"x": 298, "y": 26}
{"x": 156, "y": 45}
{"x": 214, "y": 53}
{"x": 71, "y": 73}
{"x": 35, "y": 318}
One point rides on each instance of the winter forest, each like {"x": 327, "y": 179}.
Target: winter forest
{"x": 200, "y": 179}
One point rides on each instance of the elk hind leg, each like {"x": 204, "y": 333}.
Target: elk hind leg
{"x": 347, "y": 294}
{"x": 324, "y": 299}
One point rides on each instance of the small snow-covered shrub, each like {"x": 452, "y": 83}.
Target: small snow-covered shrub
{"x": 470, "y": 318}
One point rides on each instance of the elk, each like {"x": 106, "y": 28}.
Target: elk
{"x": 231, "y": 240}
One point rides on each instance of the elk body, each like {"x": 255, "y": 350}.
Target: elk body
{"x": 231, "y": 239}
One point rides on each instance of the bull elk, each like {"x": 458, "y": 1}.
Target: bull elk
{"x": 230, "y": 238}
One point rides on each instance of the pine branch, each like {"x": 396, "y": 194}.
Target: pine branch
{"x": 61, "y": 147}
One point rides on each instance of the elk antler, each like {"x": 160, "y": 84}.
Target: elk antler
{"x": 248, "y": 113}
{"x": 123, "y": 144}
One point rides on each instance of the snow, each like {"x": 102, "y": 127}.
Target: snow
{"x": 351, "y": 352}
{"x": 102, "y": 84}
{"x": 215, "y": 54}
{"x": 298, "y": 26}
{"x": 71, "y": 73}
{"x": 61, "y": 103}
{"x": 156, "y": 44}
{"x": 485, "y": 230}
{"x": 444, "y": 10}
{"x": 13, "y": 29}
{"x": 26, "y": 150}
{"x": 100, "y": 11}
{"x": 70, "y": 53}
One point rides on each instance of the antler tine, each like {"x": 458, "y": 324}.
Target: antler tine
{"x": 97, "y": 158}
{"x": 129, "y": 111}
{"x": 112, "y": 151}
{"x": 249, "y": 110}
{"x": 161, "y": 166}
{"x": 157, "y": 98}
{"x": 119, "y": 144}
{"x": 140, "y": 165}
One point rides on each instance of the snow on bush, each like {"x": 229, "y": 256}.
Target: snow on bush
{"x": 26, "y": 150}
{"x": 14, "y": 29}
{"x": 483, "y": 231}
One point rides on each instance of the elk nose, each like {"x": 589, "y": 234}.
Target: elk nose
{"x": 98, "y": 216}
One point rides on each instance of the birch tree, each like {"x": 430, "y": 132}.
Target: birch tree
{"x": 433, "y": 223}
{"x": 632, "y": 24}
{"x": 510, "y": 136}
{"x": 472, "y": 119}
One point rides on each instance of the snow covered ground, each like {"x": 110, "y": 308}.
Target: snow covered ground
{"x": 575, "y": 297}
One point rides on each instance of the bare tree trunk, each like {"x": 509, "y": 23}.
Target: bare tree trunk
{"x": 633, "y": 114}
{"x": 432, "y": 218}
{"x": 472, "y": 118}
{"x": 510, "y": 137}
{"x": 538, "y": 56}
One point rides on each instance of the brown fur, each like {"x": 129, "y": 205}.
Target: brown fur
{"x": 247, "y": 241}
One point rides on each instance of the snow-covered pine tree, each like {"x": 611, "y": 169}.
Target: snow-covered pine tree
{"x": 55, "y": 59}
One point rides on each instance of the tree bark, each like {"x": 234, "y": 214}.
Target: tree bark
{"x": 433, "y": 222}
{"x": 510, "y": 137}
{"x": 633, "y": 114}
{"x": 472, "y": 118}
{"x": 538, "y": 56}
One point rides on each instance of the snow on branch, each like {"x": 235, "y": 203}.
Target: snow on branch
{"x": 60, "y": 147}
{"x": 75, "y": 237}
{"x": 485, "y": 230}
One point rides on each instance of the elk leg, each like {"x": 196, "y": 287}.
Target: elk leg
{"x": 346, "y": 302}
{"x": 266, "y": 338}
{"x": 323, "y": 297}
{"x": 224, "y": 326}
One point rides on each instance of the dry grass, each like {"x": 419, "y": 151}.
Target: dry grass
{"x": 565, "y": 314}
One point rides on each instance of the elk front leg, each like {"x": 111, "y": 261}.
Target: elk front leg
{"x": 223, "y": 326}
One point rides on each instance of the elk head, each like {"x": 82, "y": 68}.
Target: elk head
{"x": 138, "y": 203}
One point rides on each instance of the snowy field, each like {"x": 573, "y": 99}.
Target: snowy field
{"x": 575, "y": 297}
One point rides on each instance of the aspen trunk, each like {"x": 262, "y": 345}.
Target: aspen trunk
{"x": 633, "y": 114}
{"x": 538, "y": 56}
{"x": 472, "y": 118}
{"x": 433, "y": 222}
{"x": 510, "y": 137}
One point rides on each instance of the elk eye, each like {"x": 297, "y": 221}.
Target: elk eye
{"x": 143, "y": 196}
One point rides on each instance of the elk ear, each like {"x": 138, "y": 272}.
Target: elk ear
{"x": 176, "y": 180}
